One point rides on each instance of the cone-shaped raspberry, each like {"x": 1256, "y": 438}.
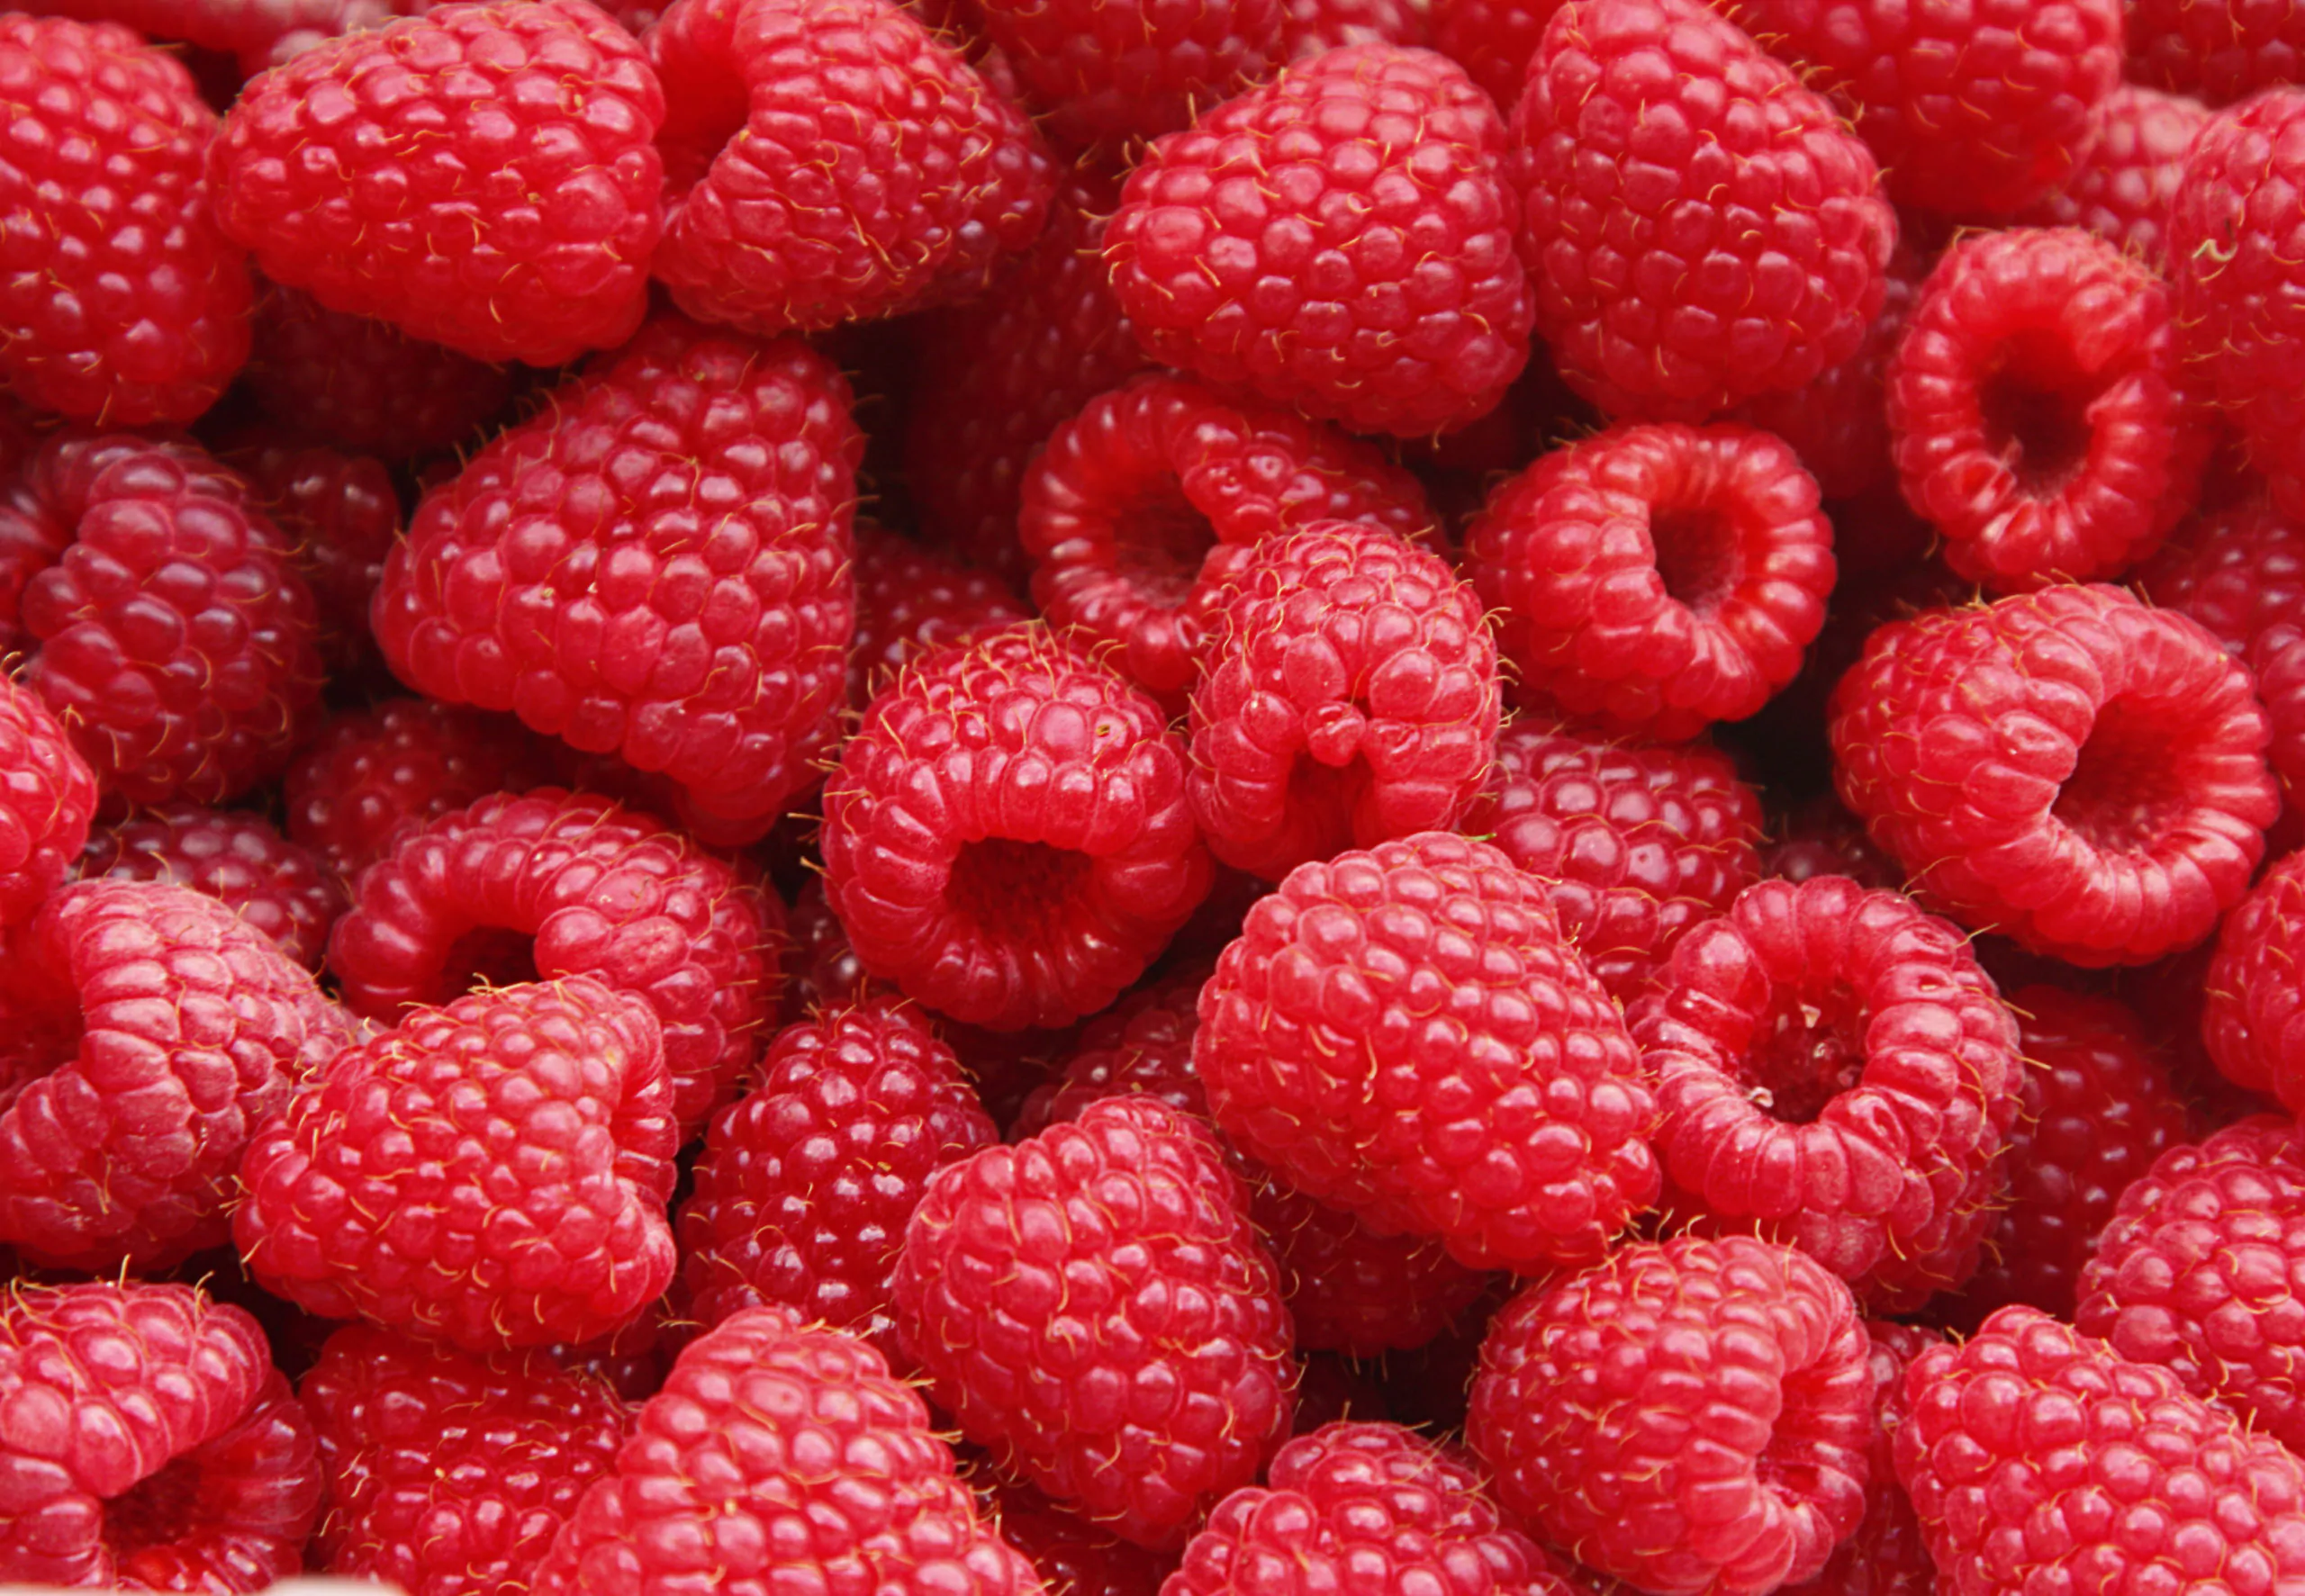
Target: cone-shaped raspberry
{"x": 1134, "y": 70}
{"x": 1492, "y": 40}
{"x": 2069, "y": 768}
{"x": 656, "y": 566}
{"x": 46, "y": 797}
{"x": 1517, "y": 1131}
{"x": 362, "y": 385}
{"x": 911, "y": 599}
{"x": 151, "y": 1443}
{"x": 492, "y": 1174}
{"x": 2130, "y": 168}
{"x": 232, "y": 856}
{"x": 1359, "y": 262}
{"x": 1691, "y": 1418}
{"x": 341, "y": 514}
{"x": 2220, "y": 50}
{"x": 1653, "y": 580}
{"x": 1885, "y": 1556}
{"x": 438, "y": 175}
{"x": 1111, "y": 1255}
{"x": 1071, "y": 1555}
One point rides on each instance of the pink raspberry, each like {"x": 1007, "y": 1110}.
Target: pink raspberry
{"x": 910, "y": 600}
{"x": 2130, "y": 165}
{"x": 2221, "y": 50}
{"x": 1339, "y": 240}
{"x": 237, "y": 858}
{"x": 341, "y": 514}
{"x": 1653, "y": 580}
{"x": 365, "y": 386}
{"x": 47, "y": 798}
{"x": 1493, "y": 41}
{"x": 1119, "y": 71}
{"x": 1885, "y": 1556}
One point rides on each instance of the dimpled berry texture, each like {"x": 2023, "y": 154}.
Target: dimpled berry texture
{"x": 2069, "y": 768}
{"x": 450, "y": 1475}
{"x": 654, "y": 566}
{"x": 234, "y": 856}
{"x": 1070, "y": 1554}
{"x": 2129, "y": 171}
{"x": 121, "y": 302}
{"x": 1700, "y": 228}
{"x": 47, "y": 795}
{"x": 2252, "y": 1013}
{"x": 364, "y": 385}
{"x": 779, "y": 1457}
{"x": 481, "y": 176}
{"x": 910, "y": 600}
{"x": 148, "y": 1442}
{"x": 1112, "y": 72}
{"x": 492, "y": 1174}
{"x": 1691, "y": 1418}
{"x": 1517, "y": 1131}
{"x": 2220, "y": 50}
{"x": 1885, "y": 1556}
{"x": 1093, "y": 1306}
{"x": 1340, "y": 241}
{"x": 1836, "y": 1070}
{"x": 2039, "y": 1458}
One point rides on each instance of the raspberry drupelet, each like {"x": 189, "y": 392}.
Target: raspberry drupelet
{"x": 1492, "y": 40}
{"x": 2082, "y": 773}
{"x": 2127, "y": 173}
{"x": 910, "y": 600}
{"x": 1819, "y": 837}
{"x": 47, "y": 795}
{"x": 2220, "y": 50}
{"x": 1885, "y": 1556}
{"x": 1308, "y": 27}
{"x": 2237, "y": 568}
{"x": 361, "y": 385}
{"x": 1652, "y": 580}
{"x": 237, "y": 858}
{"x": 1113, "y": 72}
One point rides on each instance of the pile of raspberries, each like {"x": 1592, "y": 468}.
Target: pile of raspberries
{"x": 1153, "y": 797}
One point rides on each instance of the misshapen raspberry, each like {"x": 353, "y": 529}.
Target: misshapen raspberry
{"x": 234, "y": 856}
{"x": 47, "y": 795}
{"x": 1134, "y": 70}
{"x": 362, "y": 385}
{"x": 2127, "y": 173}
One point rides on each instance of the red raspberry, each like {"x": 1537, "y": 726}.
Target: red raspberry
{"x": 1654, "y": 580}
{"x": 2276, "y": 658}
{"x": 1007, "y": 837}
{"x": 2041, "y": 421}
{"x": 236, "y": 857}
{"x": 556, "y": 885}
{"x": 1637, "y": 843}
{"x": 2253, "y": 1015}
{"x": 1493, "y": 41}
{"x": 365, "y": 386}
{"x": 1347, "y": 696}
{"x": 1128, "y": 71}
{"x": 121, "y": 302}
{"x": 1308, "y": 27}
{"x": 1885, "y": 1556}
{"x": 46, "y": 797}
{"x": 910, "y": 600}
{"x": 251, "y": 29}
{"x": 2220, "y": 50}
{"x": 492, "y": 1174}
{"x": 2014, "y": 1440}
{"x": 1651, "y": 131}
{"x": 1339, "y": 240}
{"x": 1070, "y": 1554}
{"x": 442, "y": 175}
{"x": 1690, "y": 1418}
{"x": 1822, "y": 838}
{"x": 151, "y": 1443}
{"x": 2237, "y": 570}
{"x": 341, "y": 516}
{"x": 829, "y": 161}
{"x": 655, "y": 566}
{"x": 1517, "y": 1130}
{"x": 2069, "y": 768}
{"x": 781, "y": 1456}
{"x": 1109, "y": 1255}
{"x": 1131, "y": 498}
{"x": 805, "y": 1183}
{"x": 450, "y": 1475}
{"x": 2131, "y": 165}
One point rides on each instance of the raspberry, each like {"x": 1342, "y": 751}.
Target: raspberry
{"x": 46, "y": 797}
{"x": 805, "y": 1183}
{"x": 1651, "y": 131}
{"x": 2237, "y": 570}
{"x": 151, "y": 1444}
{"x": 1885, "y": 1556}
{"x": 1126, "y": 508}
{"x": 2277, "y": 658}
{"x": 1308, "y": 27}
{"x": 910, "y": 600}
{"x": 341, "y": 516}
{"x": 448, "y": 1474}
{"x": 786, "y": 1456}
{"x": 365, "y": 386}
{"x": 1517, "y": 1130}
{"x": 481, "y": 177}
{"x": 121, "y": 302}
{"x": 655, "y": 566}
{"x": 1115, "y": 72}
{"x": 2252, "y": 1017}
{"x": 1070, "y": 1554}
{"x": 1111, "y": 1254}
{"x": 1654, "y": 580}
{"x": 1821, "y": 838}
{"x": 1690, "y": 1417}
{"x": 236, "y": 857}
{"x": 554, "y": 885}
{"x": 492, "y": 1174}
{"x": 1347, "y": 696}
{"x": 2038, "y": 1457}
{"x": 252, "y": 29}
{"x": 2221, "y": 50}
{"x": 829, "y": 161}
{"x": 1637, "y": 843}
{"x": 2041, "y": 418}
{"x": 2070, "y": 768}
{"x": 1007, "y": 835}
{"x": 2130, "y": 165}
{"x": 1493, "y": 41}
{"x": 1339, "y": 240}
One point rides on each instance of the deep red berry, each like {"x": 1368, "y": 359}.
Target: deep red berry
{"x": 2220, "y": 50}
{"x": 2253, "y": 1015}
{"x": 1885, "y": 1556}
{"x": 1493, "y": 41}
{"x": 1070, "y": 1554}
{"x": 257, "y": 32}
{"x": 2130, "y": 166}
{"x": 340, "y": 515}
{"x": 1819, "y": 837}
{"x": 362, "y": 385}
{"x": 2237, "y": 570}
{"x": 47, "y": 795}
{"x": 237, "y": 858}
{"x": 1118, "y": 71}
{"x": 910, "y": 600}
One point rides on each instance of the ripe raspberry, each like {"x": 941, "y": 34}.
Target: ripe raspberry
{"x": 2237, "y": 570}
{"x": 450, "y": 1475}
{"x": 779, "y": 1455}
{"x": 121, "y": 302}
{"x": 1112, "y": 1254}
{"x": 2220, "y": 50}
{"x": 151, "y": 1443}
{"x": 2069, "y": 768}
{"x": 1517, "y": 1131}
{"x": 1308, "y": 27}
{"x": 365, "y": 386}
{"x": 805, "y": 1183}
{"x": 1691, "y": 1417}
{"x": 1885, "y": 1556}
{"x": 1637, "y": 844}
{"x": 554, "y": 885}
{"x": 1072, "y": 1556}
{"x": 251, "y": 29}
{"x": 480, "y": 177}
{"x": 234, "y": 857}
{"x": 2130, "y": 165}
{"x": 1493, "y": 41}
{"x": 2276, "y": 658}
{"x": 1347, "y": 696}
{"x": 175, "y": 640}
{"x": 1822, "y": 838}
{"x": 910, "y": 600}
{"x": 1654, "y": 580}
{"x": 2253, "y": 1013}
{"x": 1124, "y": 512}
{"x": 655, "y": 566}
{"x": 492, "y": 1174}
{"x": 47, "y": 795}
{"x": 1701, "y": 228}
{"x": 1007, "y": 837}
{"x": 341, "y": 516}
{"x": 829, "y": 161}
{"x": 1339, "y": 240}
{"x": 1116, "y": 72}
{"x": 2039, "y": 1458}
